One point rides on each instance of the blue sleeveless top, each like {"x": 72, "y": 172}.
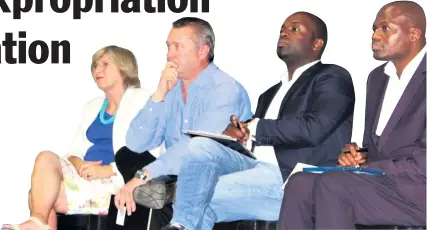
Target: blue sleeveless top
{"x": 102, "y": 138}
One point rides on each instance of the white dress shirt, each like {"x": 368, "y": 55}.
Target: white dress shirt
{"x": 396, "y": 87}
{"x": 266, "y": 153}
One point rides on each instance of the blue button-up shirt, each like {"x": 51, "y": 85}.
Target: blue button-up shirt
{"x": 211, "y": 99}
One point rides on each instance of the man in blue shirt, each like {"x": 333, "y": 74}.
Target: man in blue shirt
{"x": 306, "y": 117}
{"x": 193, "y": 94}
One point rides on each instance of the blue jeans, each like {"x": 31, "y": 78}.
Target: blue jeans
{"x": 218, "y": 184}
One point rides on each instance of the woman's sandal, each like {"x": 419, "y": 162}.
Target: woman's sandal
{"x": 38, "y": 222}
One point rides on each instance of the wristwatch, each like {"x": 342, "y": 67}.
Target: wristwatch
{"x": 141, "y": 175}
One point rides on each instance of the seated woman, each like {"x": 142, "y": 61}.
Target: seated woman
{"x": 84, "y": 180}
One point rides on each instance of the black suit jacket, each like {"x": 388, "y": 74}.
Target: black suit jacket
{"x": 315, "y": 118}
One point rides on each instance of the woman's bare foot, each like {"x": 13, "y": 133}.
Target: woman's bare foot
{"x": 31, "y": 224}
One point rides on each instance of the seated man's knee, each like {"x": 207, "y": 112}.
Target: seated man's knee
{"x": 122, "y": 155}
{"x": 300, "y": 181}
{"x": 201, "y": 148}
{"x": 331, "y": 178}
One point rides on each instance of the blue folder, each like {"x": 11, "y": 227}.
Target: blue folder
{"x": 358, "y": 170}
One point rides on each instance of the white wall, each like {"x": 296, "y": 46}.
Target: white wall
{"x": 41, "y": 104}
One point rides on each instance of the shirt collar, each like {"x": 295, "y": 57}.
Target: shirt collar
{"x": 409, "y": 69}
{"x": 285, "y": 76}
{"x": 203, "y": 76}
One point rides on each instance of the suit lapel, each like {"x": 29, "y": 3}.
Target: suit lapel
{"x": 409, "y": 93}
{"x": 379, "y": 89}
{"x": 306, "y": 75}
{"x": 267, "y": 99}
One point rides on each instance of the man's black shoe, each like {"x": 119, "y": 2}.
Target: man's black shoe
{"x": 173, "y": 227}
{"x": 156, "y": 193}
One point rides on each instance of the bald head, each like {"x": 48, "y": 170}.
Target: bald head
{"x": 412, "y": 12}
{"x": 399, "y": 32}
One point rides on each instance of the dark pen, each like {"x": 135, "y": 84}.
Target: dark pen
{"x": 238, "y": 125}
{"x": 361, "y": 150}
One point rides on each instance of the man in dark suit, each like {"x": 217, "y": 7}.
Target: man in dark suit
{"x": 395, "y": 124}
{"x": 298, "y": 120}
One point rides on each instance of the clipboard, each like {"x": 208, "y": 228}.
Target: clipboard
{"x": 225, "y": 140}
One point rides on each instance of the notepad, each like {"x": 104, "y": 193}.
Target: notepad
{"x": 225, "y": 140}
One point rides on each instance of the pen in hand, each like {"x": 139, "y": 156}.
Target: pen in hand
{"x": 361, "y": 150}
{"x": 235, "y": 122}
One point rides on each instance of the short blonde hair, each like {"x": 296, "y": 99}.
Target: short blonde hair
{"x": 125, "y": 60}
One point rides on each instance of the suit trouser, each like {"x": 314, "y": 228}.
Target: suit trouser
{"x": 128, "y": 163}
{"x": 339, "y": 200}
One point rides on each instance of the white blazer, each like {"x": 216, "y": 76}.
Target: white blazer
{"x": 131, "y": 103}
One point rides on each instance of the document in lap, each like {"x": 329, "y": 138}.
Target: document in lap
{"x": 301, "y": 167}
{"x": 225, "y": 140}
{"x": 358, "y": 170}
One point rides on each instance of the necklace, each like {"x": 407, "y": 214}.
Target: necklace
{"x": 102, "y": 114}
